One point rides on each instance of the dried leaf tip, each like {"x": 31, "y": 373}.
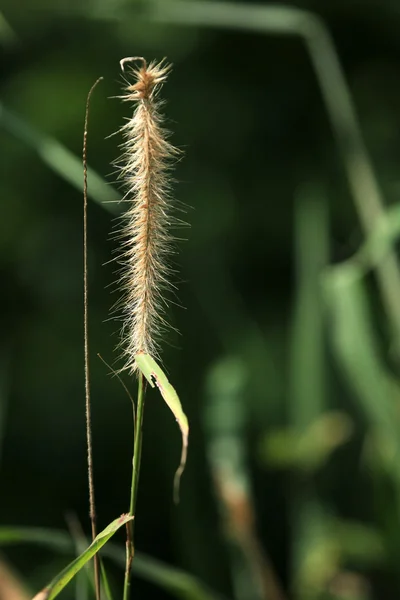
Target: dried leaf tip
{"x": 144, "y": 171}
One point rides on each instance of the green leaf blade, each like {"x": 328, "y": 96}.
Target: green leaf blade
{"x": 64, "y": 577}
{"x": 156, "y": 376}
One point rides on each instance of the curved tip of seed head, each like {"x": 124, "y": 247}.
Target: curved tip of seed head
{"x": 131, "y": 59}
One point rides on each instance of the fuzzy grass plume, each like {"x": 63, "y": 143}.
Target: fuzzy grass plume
{"x": 144, "y": 170}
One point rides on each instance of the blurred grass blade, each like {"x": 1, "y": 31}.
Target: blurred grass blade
{"x": 316, "y": 557}
{"x": 357, "y": 350}
{"x": 8, "y": 36}
{"x": 60, "y": 159}
{"x": 379, "y": 242}
{"x": 310, "y": 449}
{"x": 225, "y": 421}
{"x": 85, "y": 578}
{"x": 50, "y": 538}
{"x": 175, "y": 581}
{"x": 62, "y": 579}
{"x": 286, "y": 20}
{"x": 152, "y": 371}
{"x": 104, "y": 581}
{"x": 308, "y": 390}
{"x": 308, "y": 361}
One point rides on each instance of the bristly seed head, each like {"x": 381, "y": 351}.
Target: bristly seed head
{"x": 144, "y": 171}
{"x": 147, "y": 78}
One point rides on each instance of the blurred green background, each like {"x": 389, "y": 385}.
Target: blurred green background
{"x": 288, "y": 359}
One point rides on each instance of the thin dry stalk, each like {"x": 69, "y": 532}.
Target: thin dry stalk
{"x": 92, "y": 503}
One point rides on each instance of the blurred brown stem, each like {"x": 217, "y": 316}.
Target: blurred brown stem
{"x": 240, "y": 523}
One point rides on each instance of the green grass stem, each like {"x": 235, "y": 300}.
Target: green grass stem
{"x": 137, "y": 453}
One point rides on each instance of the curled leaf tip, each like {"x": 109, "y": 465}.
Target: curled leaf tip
{"x": 155, "y": 375}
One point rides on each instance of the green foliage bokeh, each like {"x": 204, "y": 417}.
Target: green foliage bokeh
{"x": 270, "y": 209}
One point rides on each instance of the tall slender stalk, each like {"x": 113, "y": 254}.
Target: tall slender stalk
{"x": 137, "y": 450}
{"x": 92, "y": 503}
{"x": 137, "y": 453}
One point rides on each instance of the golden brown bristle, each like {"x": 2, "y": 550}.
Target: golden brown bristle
{"x": 144, "y": 170}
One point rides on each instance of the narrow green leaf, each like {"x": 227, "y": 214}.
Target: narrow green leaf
{"x": 155, "y": 375}
{"x": 381, "y": 239}
{"x": 49, "y": 538}
{"x": 357, "y": 350}
{"x": 62, "y": 579}
{"x": 177, "y": 582}
{"x": 60, "y": 160}
{"x": 105, "y": 582}
{"x": 312, "y": 558}
{"x": 377, "y": 245}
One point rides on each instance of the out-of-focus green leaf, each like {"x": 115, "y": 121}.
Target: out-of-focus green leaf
{"x": 308, "y": 392}
{"x": 50, "y": 538}
{"x": 62, "y": 579}
{"x": 310, "y": 449}
{"x": 381, "y": 239}
{"x": 333, "y": 542}
{"x": 359, "y": 542}
{"x": 226, "y": 417}
{"x": 320, "y": 559}
{"x": 287, "y": 20}
{"x": 8, "y": 36}
{"x": 176, "y": 581}
{"x": 376, "y": 246}
{"x": 357, "y": 351}
{"x": 104, "y": 581}
{"x": 60, "y": 160}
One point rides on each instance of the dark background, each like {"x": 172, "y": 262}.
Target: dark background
{"x": 288, "y": 384}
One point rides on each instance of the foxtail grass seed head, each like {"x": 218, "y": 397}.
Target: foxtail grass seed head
{"x": 144, "y": 169}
